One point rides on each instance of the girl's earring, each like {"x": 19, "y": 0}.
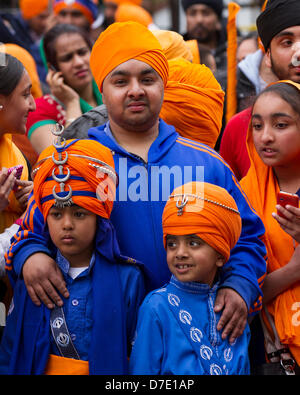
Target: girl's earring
{"x": 1, "y": 107}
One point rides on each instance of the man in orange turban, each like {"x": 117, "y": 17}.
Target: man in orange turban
{"x": 110, "y": 8}
{"x": 193, "y": 102}
{"x": 36, "y": 14}
{"x": 201, "y": 224}
{"x": 131, "y": 71}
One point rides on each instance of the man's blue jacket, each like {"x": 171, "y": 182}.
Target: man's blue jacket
{"x": 137, "y": 214}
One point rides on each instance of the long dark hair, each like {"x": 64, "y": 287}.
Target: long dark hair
{"x": 11, "y": 72}
{"x": 286, "y": 92}
{"x": 52, "y": 35}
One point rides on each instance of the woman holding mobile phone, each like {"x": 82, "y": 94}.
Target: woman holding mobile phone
{"x": 72, "y": 88}
{"x": 16, "y": 102}
{"x": 273, "y": 143}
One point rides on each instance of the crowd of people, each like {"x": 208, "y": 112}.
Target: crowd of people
{"x": 141, "y": 231}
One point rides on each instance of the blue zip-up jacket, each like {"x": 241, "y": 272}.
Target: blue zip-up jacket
{"x": 141, "y": 196}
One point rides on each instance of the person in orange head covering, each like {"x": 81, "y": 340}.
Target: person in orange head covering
{"x": 193, "y": 102}
{"x": 201, "y": 224}
{"x": 110, "y": 9}
{"x": 131, "y": 71}
{"x": 37, "y": 14}
{"x": 146, "y": 49}
{"x": 273, "y": 144}
{"x": 21, "y": 141}
{"x": 131, "y": 12}
{"x": 74, "y": 188}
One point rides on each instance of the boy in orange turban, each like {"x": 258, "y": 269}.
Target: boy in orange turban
{"x": 131, "y": 70}
{"x": 74, "y": 185}
{"x": 201, "y": 224}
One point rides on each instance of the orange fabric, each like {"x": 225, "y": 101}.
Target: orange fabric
{"x": 66, "y": 366}
{"x": 95, "y": 181}
{"x": 122, "y": 41}
{"x": 260, "y": 44}
{"x": 84, "y": 10}
{"x": 136, "y": 2}
{"x": 11, "y": 156}
{"x": 261, "y": 187}
{"x": 173, "y": 45}
{"x": 131, "y": 12}
{"x": 193, "y": 45}
{"x": 193, "y": 102}
{"x": 231, "y": 107}
{"x": 32, "y": 8}
{"x": 217, "y": 226}
{"x": 21, "y": 141}
{"x": 28, "y": 62}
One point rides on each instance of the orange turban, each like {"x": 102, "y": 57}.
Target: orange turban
{"x": 130, "y": 12}
{"x": 91, "y": 181}
{"x": 173, "y": 45}
{"x": 193, "y": 45}
{"x": 206, "y": 210}
{"x": 32, "y": 8}
{"x": 118, "y": 2}
{"x": 193, "y": 102}
{"x": 122, "y": 41}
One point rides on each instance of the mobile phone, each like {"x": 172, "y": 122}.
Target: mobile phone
{"x": 284, "y": 198}
{"x": 52, "y": 67}
{"x": 19, "y": 170}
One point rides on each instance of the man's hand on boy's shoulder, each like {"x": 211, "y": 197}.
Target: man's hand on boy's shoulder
{"x": 43, "y": 280}
{"x": 233, "y": 319}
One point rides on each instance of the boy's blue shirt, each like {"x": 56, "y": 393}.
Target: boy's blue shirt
{"x": 177, "y": 334}
{"x": 140, "y": 200}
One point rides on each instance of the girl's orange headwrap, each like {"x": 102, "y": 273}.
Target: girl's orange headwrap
{"x": 206, "y": 210}
{"x": 193, "y": 102}
{"x": 32, "y": 8}
{"x": 91, "y": 181}
{"x": 122, "y": 41}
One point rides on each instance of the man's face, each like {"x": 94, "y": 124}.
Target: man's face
{"x": 39, "y": 23}
{"x": 202, "y": 23}
{"x": 110, "y": 9}
{"x": 73, "y": 16}
{"x": 133, "y": 94}
{"x": 282, "y": 49}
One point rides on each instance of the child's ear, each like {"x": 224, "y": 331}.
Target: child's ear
{"x": 220, "y": 260}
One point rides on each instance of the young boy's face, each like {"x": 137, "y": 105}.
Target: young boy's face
{"x": 191, "y": 259}
{"x": 72, "y": 230}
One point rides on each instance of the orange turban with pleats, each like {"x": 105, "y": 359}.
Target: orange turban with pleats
{"x": 131, "y": 12}
{"x": 91, "y": 182}
{"x": 206, "y": 210}
{"x": 193, "y": 102}
{"x": 173, "y": 45}
{"x": 193, "y": 46}
{"x": 122, "y": 41}
{"x": 32, "y": 8}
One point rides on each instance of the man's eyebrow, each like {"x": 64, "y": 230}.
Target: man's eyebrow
{"x": 285, "y": 33}
{"x": 125, "y": 73}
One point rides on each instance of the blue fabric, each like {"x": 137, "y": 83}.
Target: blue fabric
{"x": 177, "y": 335}
{"x": 89, "y": 4}
{"x": 141, "y": 196}
{"x": 117, "y": 290}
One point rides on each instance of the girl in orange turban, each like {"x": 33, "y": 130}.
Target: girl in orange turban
{"x": 177, "y": 327}
{"x": 74, "y": 184}
{"x": 273, "y": 144}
